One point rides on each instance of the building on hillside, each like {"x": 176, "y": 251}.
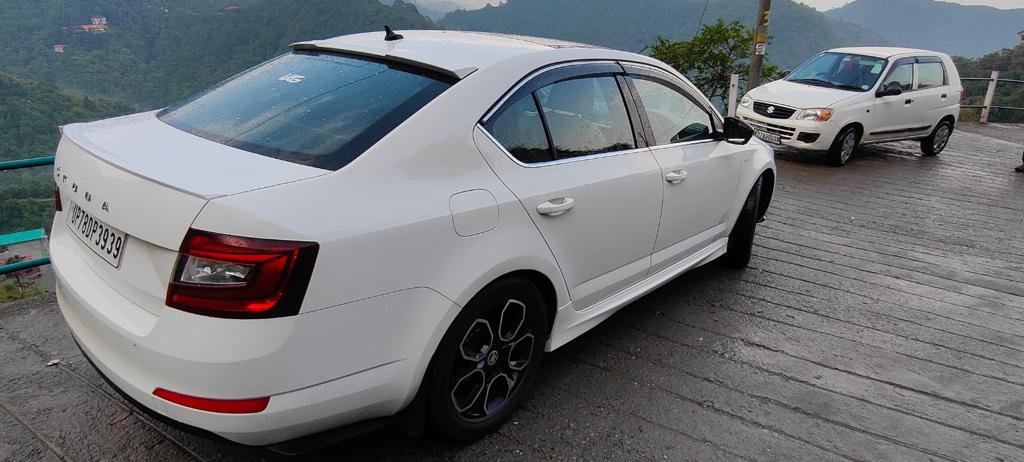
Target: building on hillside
{"x": 58, "y": 48}
{"x": 23, "y": 246}
{"x": 97, "y": 24}
{"x": 1021, "y": 42}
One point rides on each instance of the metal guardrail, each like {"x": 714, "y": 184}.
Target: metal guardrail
{"x": 15, "y": 165}
{"x": 990, "y": 95}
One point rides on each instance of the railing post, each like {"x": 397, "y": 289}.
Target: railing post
{"x": 734, "y": 88}
{"x": 990, "y": 96}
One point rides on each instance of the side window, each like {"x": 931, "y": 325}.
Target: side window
{"x": 520, "y": 130}
{"x": 673, "y": 116}
{"x": 586, "y": 116}
{"x": 930, "y": 75}
{"x": 902, "y": 74}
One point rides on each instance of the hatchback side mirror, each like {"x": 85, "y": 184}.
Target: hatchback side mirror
{"x": 736, "y": 131}
{"x": 892, "y": 89}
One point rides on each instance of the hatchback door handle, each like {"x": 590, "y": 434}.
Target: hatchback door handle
{"x": 556, "y": 207}
{"x": 676, "y": 177}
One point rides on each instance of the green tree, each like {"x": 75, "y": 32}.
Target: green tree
{"x": 712, "y": 56}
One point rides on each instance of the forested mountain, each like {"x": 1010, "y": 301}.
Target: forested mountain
{"x": 156, "y": 51}
{"x": 30, "y": 113}
{"x": 1010, "y": 64}
{"x": 949, "y": 27}
{"x": 799, "y": 31}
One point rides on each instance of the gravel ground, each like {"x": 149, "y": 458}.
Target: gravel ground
{"x": 882, "y": 318}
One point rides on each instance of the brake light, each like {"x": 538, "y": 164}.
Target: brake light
{"x": 240, "y": 277}
{"x": 224, "y": 406}
{"x": 56, "y": 199}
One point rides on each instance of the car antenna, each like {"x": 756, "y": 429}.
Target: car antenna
{"x": 390, "y": 35}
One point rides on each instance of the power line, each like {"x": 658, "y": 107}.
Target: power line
{"x": 701, "y": 22}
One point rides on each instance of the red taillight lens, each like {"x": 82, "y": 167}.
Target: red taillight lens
{"x": 224, "y": 406}
{"x": 240, "y": 277}
{"x": 56, "y": 199}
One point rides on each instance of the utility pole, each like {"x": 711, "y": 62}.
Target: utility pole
{"x": 764, "y": 10}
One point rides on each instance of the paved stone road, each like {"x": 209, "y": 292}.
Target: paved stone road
{"x": 882, "y": 318}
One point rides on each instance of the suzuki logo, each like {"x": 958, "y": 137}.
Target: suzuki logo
{"x": 291, "y": 78}
{"x": 771, "y": 109}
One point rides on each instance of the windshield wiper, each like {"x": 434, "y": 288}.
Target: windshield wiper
{"x": 818, "y": 82}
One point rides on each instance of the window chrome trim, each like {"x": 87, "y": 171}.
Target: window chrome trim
{"x": 558, "y": 161}
{"x": 525, "y": 80}
{"x": 683, "y": 144}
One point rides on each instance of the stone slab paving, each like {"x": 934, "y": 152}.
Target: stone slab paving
{"x": 882, "y": 318}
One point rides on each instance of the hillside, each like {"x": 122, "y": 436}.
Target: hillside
{"x": 799, "y": 31}
{"x": 30, "y": 113}
{"x": 948, "y": 27}
{"x": 157, "y": 51}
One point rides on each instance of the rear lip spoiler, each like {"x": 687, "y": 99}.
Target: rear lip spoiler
{"x": 458, "y": 74}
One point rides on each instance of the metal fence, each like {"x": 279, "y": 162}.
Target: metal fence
{"x": 15, "y": 165}
{"x": 990, "y": 95}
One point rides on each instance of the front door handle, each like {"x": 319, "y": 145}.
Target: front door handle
{"x": 556, "y": 207}
{"x": 909, "y": 101}
{"x": 675, "y": 177}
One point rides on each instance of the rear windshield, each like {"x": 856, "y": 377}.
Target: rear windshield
{"x": 310, "y": 108}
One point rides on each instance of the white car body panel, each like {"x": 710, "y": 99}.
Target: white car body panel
{"x": 911, "y": 115}
{"x": 408, "y": 233}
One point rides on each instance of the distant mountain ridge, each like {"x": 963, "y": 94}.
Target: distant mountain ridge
{"x": 799, "y": 31}
{"x": 948, "y": 27}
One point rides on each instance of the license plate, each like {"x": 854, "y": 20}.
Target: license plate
{"x": 769, "y": 137}
{"x": 106, "y": 241}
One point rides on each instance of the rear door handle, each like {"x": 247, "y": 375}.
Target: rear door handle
{"x": 909, "y": 101}
{"x": 675, "y": 177}
{"x": 556, "y": 207}
{"x": 944, "y": 96}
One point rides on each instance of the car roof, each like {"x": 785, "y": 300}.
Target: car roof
{"x": 455, "y": 53}
{"x": 884, "y": 52}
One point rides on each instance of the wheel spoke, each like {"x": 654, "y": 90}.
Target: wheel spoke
{"x": 521, "y": 353}
{"x": 498, "y": 391}
{"x": 477, "y": 342}
{"x": 512, "y": 317}
{"x": 468, "y": 389}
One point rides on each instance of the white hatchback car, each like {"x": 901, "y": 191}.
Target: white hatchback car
{"x": 849, "y": 96}
{"x": 366, "y": 228}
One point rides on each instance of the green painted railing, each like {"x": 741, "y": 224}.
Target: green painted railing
{"x": 15, "y": 165}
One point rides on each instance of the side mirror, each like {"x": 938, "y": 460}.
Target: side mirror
{"x": 736, "y": 131}
{"x": 892, "y": 89}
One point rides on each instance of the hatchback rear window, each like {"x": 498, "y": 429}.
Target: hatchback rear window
{"x": 310, "y": 108}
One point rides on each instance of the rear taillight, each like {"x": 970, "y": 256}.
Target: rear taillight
{"x": 240, "y": 277}
{"x": 56, "y": 199}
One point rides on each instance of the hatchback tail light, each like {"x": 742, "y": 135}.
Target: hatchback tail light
{"x": 240, "y": 277}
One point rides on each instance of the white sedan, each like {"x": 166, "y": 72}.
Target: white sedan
{"x": 376, "y": 229}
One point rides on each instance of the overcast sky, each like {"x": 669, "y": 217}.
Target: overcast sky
{"x": 819, "y": 4}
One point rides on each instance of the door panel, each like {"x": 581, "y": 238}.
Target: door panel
{"x": 594, "y": 196}
{"x": 895, "y": 115}
{"x": 933, "y": 91}
{"x": 700, "y": 174}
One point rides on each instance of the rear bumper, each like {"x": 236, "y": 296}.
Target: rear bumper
{"x": 800, "y": 134}
{"x": 321, "y": 370}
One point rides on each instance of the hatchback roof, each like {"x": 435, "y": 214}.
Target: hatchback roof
{"x": 883, "y": 52}
{"x": 451, "y": 52}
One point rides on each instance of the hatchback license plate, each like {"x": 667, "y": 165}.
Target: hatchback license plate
{"x": 106, "y": 241}
{"x": 769, "y": 137}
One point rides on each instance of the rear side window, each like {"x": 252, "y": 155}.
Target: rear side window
{"x": 930, "y": 74}
{"x": 310, "y": 108}
{"x": 586, "y": 116}
{"x": 520, "y": 130}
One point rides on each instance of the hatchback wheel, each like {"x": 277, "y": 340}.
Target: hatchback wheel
{"x": 938, "y": 140}
{"x": 843, "y": 146}
{"x": 488, "y": 360}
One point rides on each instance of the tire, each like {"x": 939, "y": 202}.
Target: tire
{"x": 741, "y": 239}
{"x": 843, "y": 146}
{"x": 481, "y": 357}
{"x": 937, "y": 140}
